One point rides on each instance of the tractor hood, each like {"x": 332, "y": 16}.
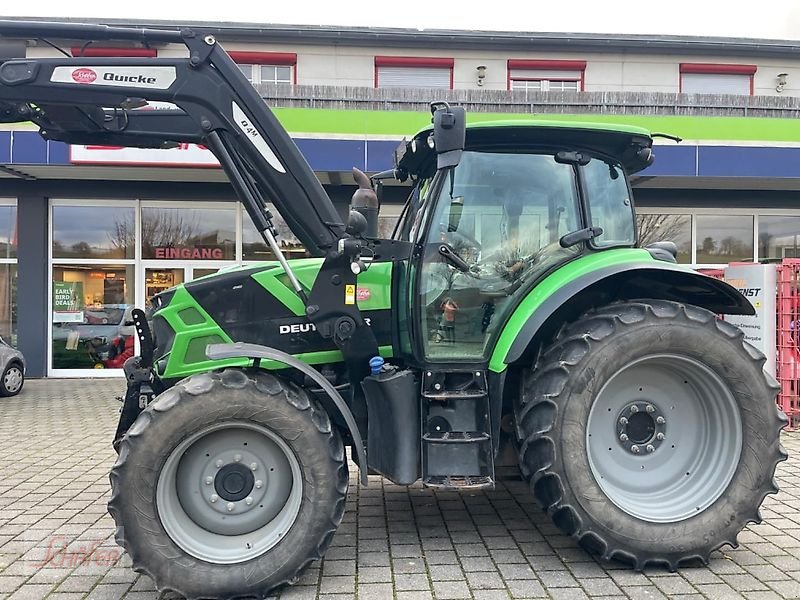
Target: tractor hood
{"x": 625, "y": 144}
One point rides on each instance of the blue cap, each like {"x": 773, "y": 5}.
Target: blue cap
{"x": 375, "y": 364}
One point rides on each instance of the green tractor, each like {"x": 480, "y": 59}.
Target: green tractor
{"x": 511, "y": 313}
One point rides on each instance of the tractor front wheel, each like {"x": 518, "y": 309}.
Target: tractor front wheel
{"x": 650, "y": 432}
{"x": 228, "y": 485}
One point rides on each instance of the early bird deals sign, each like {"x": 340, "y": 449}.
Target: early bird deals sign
{"x": 757, "y": 283}
{"x": 67, "y": 302}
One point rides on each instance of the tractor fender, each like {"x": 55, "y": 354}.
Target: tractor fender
{"x": 627, "y": 281}
{"x": 257, "y": 352}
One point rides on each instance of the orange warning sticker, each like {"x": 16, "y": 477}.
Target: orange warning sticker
{"x": 349, "y": 294}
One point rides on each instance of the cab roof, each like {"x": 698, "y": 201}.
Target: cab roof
{"x": 620, "y": 143}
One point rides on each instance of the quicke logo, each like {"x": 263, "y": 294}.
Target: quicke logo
{"x": 129, "y": 78}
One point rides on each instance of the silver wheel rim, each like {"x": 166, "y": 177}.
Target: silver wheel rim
{"x": 230, "y": 492}
{"x": 664, "y": 437}
{"x": 12, "y": 380}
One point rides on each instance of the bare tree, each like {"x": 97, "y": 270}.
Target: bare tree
{"x": 166, "y": 228}
{"x": 124, "y": 234}
{"x": 160, "y": 228}
{"x": 661, "y": 227}
{"x": 732, "y": 246}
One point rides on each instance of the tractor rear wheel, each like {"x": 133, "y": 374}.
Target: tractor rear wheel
{"x": 650, "y": 432}
{"x": 228, "y": 485}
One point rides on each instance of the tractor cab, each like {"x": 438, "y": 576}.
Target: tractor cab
{"x": 522, "y": 199}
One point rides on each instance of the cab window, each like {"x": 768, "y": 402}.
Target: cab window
{"x": 496, "y": 224}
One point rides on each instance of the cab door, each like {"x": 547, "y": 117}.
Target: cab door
{"x": 490, "y": 228}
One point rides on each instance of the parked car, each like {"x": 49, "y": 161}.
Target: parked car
{"x": 13, "y": 364}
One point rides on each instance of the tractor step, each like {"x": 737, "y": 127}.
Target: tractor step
{"x": 456, "y": 437}
{"x": 455, "y": 482}
{"x": 457, "y": 446}
{"x": 442, "y": 396}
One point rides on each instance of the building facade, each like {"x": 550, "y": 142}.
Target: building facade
{"x": 87, "y": 232}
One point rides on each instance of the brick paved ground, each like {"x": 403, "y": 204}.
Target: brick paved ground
{"x": 397, "y": 543}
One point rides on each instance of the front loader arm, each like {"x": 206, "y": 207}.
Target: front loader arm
{"x": 95, "y": 100}
{"x": 80, "y": 99}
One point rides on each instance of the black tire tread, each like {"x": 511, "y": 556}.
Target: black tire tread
{"x": 541, "y": 401}
{"x": 183, "y": 391}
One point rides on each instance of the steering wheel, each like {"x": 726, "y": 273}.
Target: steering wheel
{"x": 454, "y": 235}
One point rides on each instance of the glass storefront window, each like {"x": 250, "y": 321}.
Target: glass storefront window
{"x": 185, "y": 234}
{"x": 8, "y": 231}
{"x": 8, "y": 303}
{"x": 254, "y": 247}
{"x": 724, "y": 239}
{"x": 159, "y": 280}
{"x": 91, "y": 304}
{"x": 8, "y": 273}
{"x": 657, "y": 227}
{"x": 93, "y": 232}
{"x": 778, "y": 237}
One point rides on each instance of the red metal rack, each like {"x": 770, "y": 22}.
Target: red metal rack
{"x": 788, "y": 339}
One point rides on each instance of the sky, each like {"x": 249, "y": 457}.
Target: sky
{"x": 777, "y": 19}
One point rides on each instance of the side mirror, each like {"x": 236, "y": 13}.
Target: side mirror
{"x": 456, "y": 210}
{"x": 449, "y": 133}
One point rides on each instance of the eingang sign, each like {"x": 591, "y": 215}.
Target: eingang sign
{"x": 188, "y": 253}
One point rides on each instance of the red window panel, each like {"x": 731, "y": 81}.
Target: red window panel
{"x": 710, "y": 68}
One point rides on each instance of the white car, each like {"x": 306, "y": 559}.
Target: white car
{"x": 13, "y": 365}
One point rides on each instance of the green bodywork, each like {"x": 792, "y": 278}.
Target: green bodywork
{"x": 550, "y": 285}
{"x": 194, "y": 328}
{"x": 616, "y": 128}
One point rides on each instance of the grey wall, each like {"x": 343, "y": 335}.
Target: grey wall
{"x": 32, "y": 282}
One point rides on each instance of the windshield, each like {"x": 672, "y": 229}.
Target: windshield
{"x": 609, "y": 203}
{"x": 499, "y": 218}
